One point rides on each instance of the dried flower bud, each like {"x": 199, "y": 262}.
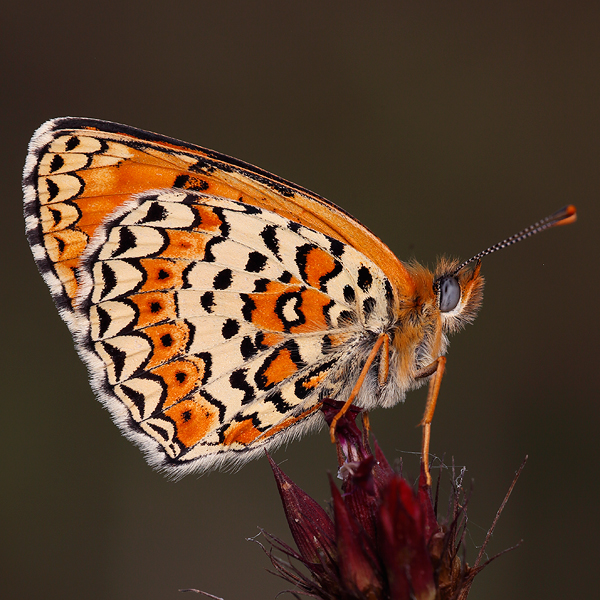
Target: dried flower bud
{"x": 383, "y": 541}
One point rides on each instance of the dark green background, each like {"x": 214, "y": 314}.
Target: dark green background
{"x": 443, "y": 126}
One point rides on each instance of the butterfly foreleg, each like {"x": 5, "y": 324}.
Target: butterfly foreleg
{"x": 436, "y": 368}
{"x": 382, "y": 340}
{"x": 384, "y": 363}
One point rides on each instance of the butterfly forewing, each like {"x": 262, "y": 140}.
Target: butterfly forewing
{"x": 79, "y": 171}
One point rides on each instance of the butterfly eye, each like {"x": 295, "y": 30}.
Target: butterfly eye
{"x": 449, "y": 291}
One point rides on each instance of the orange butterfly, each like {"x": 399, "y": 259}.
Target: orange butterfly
{"x": 215, "y": 304}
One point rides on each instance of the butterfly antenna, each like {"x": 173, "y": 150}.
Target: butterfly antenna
{"x": 564, "y": 216}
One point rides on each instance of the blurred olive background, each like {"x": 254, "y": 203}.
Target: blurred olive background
{"x": 442, "y": 126}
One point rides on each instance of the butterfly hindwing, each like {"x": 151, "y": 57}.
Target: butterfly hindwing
{"x": 212, "y": 328}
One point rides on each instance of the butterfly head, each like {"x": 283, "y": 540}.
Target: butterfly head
{"x": 458, "y": 288}
{"x": 438, "y": 303}
{"x": 458, "y": 293}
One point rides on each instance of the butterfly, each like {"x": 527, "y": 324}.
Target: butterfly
{"x": 216, "y": 305}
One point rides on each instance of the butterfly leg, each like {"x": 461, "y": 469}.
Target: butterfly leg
{"x": 384, "y": 363}
{"x": 381, "y": 340}
{"x": 384, "y": 371}
{"x": 436, "y": 369}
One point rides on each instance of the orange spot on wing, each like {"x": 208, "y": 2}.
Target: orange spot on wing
{"x": 168, "y": 340}
{"x": 95, "y": 210}
{"x": 312, "y": 307}
{"x": 242, "y": 433}
{"x": 315, "y": 380}
{"x": 318, "y": 264}
{"x": 280, "y": 368}
{"x": 193, "y": 419}
{"x": 210, "y": 221}
{"x": 185, "y": 244}
{"x": 264, "y": 315}
{"x": 65, "y": 244}
{"x": 154, "y": 307}
{"x": 163, "y": 274}
{"x": 180, "y": 377}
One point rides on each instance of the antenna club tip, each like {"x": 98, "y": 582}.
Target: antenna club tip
{"x": 565, "y": 215}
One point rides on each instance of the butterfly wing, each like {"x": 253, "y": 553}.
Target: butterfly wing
{"x": 215, "y": 312}
{"x": 213, "y": 327}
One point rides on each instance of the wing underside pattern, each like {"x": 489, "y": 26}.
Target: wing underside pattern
{"x": 219, "y": 325}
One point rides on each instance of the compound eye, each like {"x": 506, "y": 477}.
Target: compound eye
{"x": 449, "y": 293}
